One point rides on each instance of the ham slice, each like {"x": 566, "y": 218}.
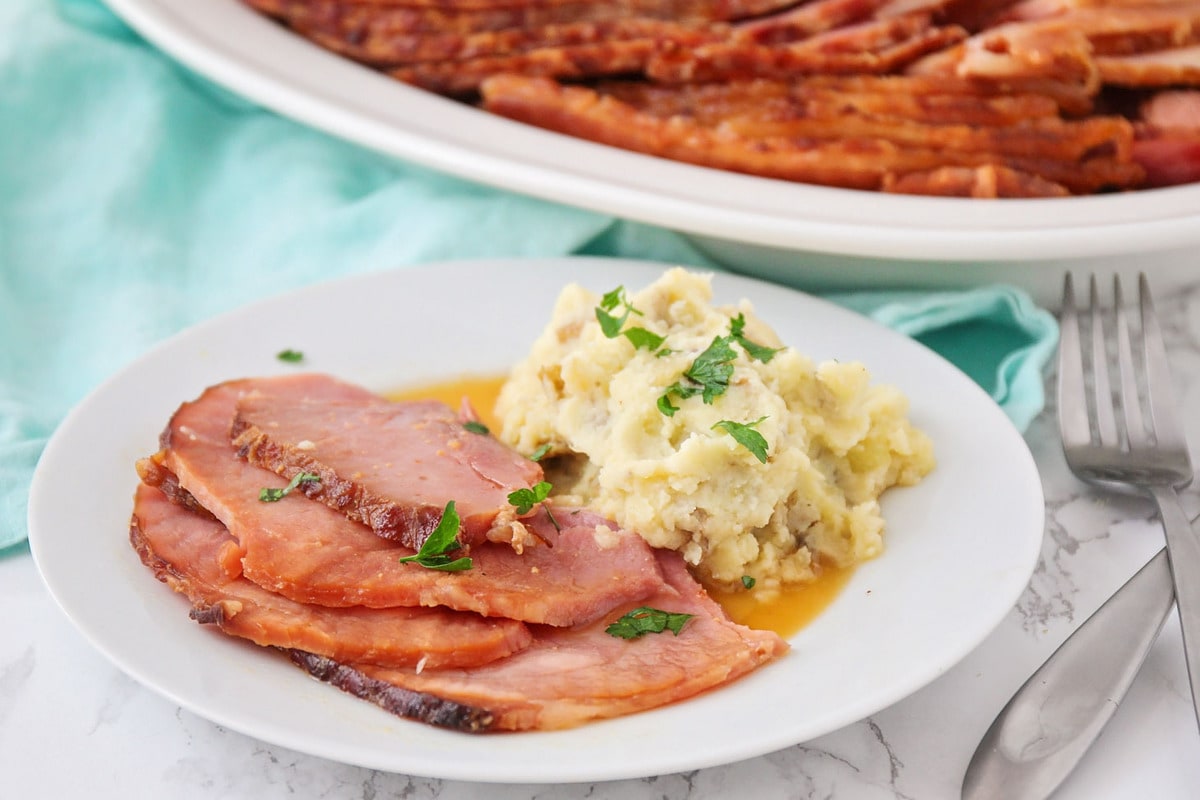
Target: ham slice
{"x": 197, "y": 557}
{"x": 391, "y": 466}
{"x": 310, "y": 553}
{"x": 574, "y": 675}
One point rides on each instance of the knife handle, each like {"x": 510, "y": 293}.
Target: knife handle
{"x": 1047, "y": 726}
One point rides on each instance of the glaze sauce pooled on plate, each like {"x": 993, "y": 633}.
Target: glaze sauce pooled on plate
{"x": 794, "y": 607}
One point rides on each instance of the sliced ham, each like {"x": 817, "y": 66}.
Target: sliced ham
{"x": 570, "y": 676}
{"x": 310, "y": 553}
{"x": 391, "y": 466}
{"x": 198, "y": 558}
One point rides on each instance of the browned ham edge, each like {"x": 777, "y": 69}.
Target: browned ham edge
{"x": 198, "y": 558}
{"x": 390, "y": 466}
{"x": 394, "y": 699}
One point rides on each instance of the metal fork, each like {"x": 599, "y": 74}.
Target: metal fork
{"x": 1051, "y": 721}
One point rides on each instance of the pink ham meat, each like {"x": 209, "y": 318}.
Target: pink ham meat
{"x": 391, "y": 466}
{"x": 312, "y": 554}
{"x": 197, "y": 557}
{"x": 571, "y": 676}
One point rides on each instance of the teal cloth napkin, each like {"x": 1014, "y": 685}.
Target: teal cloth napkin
{"x": 137, "y": 199}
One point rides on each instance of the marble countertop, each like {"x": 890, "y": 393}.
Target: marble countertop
{"x": 72, "y": 725}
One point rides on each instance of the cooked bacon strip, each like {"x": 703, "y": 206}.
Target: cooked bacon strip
{"x": 1169, "y": 158}
{"x": 1179, "y": 66}
{"x": 805, "y": 20}
{"x": 574, "y": 675}
{"x": 884, "y": 97}
{"x": 1048, "y": 138}
{"x": 667, "y": 8}
{"x": 1088, "y": 47}
{"x": 352, "y": 22}
{"x": 574, "y": 62}
{"x": 850, "y": 163}
{"x": 198, "y": 558}
{"x": 391, "y": 466}
{"x": 1172, "y": 110}
{"x": 396, "y": 49}
{"x": 310, "y": 553}
{"x": 876, "y": 47}
{"x": 989, "y": 181}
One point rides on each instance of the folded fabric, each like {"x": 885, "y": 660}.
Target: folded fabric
{"x": 139, "y": 199}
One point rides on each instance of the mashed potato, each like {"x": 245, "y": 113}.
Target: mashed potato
{"x": 602, "y": 406}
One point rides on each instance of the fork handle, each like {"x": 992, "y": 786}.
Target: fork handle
{"x": 1052, "y": 720}
{"x": 1183, "y": 549}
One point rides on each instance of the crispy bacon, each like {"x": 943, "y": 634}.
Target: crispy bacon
{"x": 388, "y": 49}
{"x": 351, "y": 22}
{"x": 981, "y": 64}
{"x": 805, "y": 20}
{"x": 884, "y": 97}
{"x": 875, "y": 47}
{"x": 1177, "y": 66}
{"x": 863, "y": 162}
{"x": 590, "y": 60}
{"x": 989, "y": 181}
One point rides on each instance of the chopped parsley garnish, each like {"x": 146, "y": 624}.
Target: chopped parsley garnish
{"x": 708, "y": 376}
{"x": 435, "y": 551}
{"x": 526, "y": 499}
{"x": 753, "y": 349}
{"x": 640, "y": 621}
{"x": 748, "y": 581}
{"x": 274, "y": 495}
{"x": 540, "y": 453}
{"x": 476, "y": 427}
{"x": 611, "y": 325}
{"x": 745, "y": 435}
{"x": 290, "y": 356}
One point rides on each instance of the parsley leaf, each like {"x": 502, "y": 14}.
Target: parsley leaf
{"x": 290, "y": 356}
{"x": 756, "y": 351}
{"x": 526, "y": 499}
{"x": 643, "y": 620}
{"x": 642, "y": 338}
{"x": 610, "y": 324}
{"x": 275, "y": 495}
{"x": 745, "y": 435}
{"x": 748, "y": 581}
{"x": 540, "y": 453}
{"x": 435, "y": 550}
{"x": 708, "y": 376}
{"x": 476, "y": 427}
{"x": 713, "y": 368}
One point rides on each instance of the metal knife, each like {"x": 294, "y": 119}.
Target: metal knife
{"x": 1047, "y": 726}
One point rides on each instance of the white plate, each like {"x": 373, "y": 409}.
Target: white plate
{"x": 251, "y": 55}
{"x": 960, "y": 548}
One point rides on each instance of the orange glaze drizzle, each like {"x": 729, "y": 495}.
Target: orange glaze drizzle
{"x": 786, "y": 614}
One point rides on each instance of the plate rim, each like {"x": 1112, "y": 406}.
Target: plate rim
{"x": 749, "y": 210}
{"x": 41, "y": 490}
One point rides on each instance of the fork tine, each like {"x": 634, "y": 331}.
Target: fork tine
{"x": 1105, "y": 422}
{"x": 1072, "y": 408}
{"x": 1161, "y": 396}
{"x": 1135, "y": 425}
